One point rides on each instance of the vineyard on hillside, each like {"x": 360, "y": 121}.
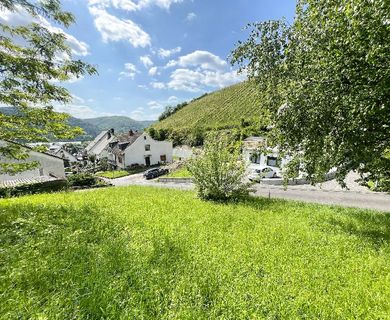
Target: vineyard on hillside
{"x": 221, "y": 109}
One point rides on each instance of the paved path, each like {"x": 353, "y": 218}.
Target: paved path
{"x": 364, "y": 199}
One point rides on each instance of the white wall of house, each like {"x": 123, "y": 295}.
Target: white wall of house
{"x": 48, "y": 166}
{"x": 254, "y": 158}
{"x": 137, "y": 152}
{"x": 182, "y": 152}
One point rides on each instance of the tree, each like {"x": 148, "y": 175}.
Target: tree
{"x": 219, "y": 170}
{"x": 326, "y": 81}
{"x": 33, "y": 58}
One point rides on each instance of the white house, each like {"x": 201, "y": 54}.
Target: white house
{"x": 134, "y": 148}
{"x": 99, "y": 145}
{"x": 254, "y": 154}
{"x": 50, "y": 167}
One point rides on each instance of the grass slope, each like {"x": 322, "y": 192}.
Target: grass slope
{"x": 220, "y": 109}
{"x": 144, "y": 253}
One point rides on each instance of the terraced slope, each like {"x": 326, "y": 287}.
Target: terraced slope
{"x": 221, "y": 109}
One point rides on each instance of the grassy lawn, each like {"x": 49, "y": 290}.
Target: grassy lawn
{"x": 150, "y": 253}
{"x": 180, "y": 173}
{"x": 113, "y": 174}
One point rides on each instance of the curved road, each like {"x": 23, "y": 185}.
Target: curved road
{"x": 359, "y": 199}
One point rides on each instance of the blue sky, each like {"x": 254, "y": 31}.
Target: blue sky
{"x": 151, "y": 53}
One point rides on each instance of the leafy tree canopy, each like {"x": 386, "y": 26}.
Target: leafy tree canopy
{"x": 326, "y": 79}
{"x": 33, "y": 59}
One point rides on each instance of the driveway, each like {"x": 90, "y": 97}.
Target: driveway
{"x": 327, "y": 193}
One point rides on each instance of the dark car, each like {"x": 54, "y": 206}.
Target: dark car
{"x": 154, "y": 173}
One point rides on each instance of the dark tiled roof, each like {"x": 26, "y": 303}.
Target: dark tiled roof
{"x": 122, "y": 141}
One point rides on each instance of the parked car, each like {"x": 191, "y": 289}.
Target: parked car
{"x": 266, "y": 172}
{"x": 154, "y": 173}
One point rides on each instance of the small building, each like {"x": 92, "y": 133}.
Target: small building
{"x": 66, "y": 156}
{"x": 135, "y": 148}
{"x": 183, "y": 152}
{"x": 99, "y": 145}
{"x": 257, "y": 154}
{"x": 50, "y": 167}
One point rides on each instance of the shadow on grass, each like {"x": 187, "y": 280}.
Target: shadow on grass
{"x": 369, "y": 226}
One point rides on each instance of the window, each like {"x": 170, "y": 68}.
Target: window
{"x": 272, "y": 161}
{"x": 144, "y": 137}
{"x": 163, "y": 158}
{"x": 255, "y": 158}
{"x": 147, "y": 147}
{"x": 120, "y": 159}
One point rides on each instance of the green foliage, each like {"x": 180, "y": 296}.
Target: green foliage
{"x": 169, "y": 110}
{"x": 82, "y": 180}
{"x": 32, "y": 59}
{"x": 41, "y": 187}
{"x": 152, "y": 253}
{"x": 325, "y": 81}
{"x": 113, "y": 174}
{"x": 180, "y": 173}
{"x": 218, "y": 169}
{"x": 218, "y": 110}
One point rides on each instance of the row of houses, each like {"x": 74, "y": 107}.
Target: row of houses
{"x": 121, "y": 150}
{"x": 126, "y": 150}
{"x": 130, "y": 148}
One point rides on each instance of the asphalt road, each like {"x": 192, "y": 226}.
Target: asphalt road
{"x": 358, "y": 199}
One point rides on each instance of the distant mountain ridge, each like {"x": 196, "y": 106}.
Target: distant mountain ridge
{"x": 94, "y": 126}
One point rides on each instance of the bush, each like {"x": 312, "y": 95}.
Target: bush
{"x": 41, "y": 187}
{"x": 82, "y": 180}
{"x": 219, "y": 170}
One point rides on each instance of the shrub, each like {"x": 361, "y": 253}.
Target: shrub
{"x": 41, "y": 187}
{"x": 82, "y": 180}
{"x": 219, "y": 170}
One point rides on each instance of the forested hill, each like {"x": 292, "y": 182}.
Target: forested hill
{"x": 94, "y": 126}
{"x": 226, "y": 108}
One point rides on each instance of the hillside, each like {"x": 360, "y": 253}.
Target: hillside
{"x": 221, "y": 109}
{"x": 119, "y": 123}
{"x": 94, "y": 126}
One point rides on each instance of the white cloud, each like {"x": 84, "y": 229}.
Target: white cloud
{"x": 22, "y": 17}
{"x": 153, "y": 71}
{"x": 158, "y": 85}
{"x": 130, "y": 71}
{"x": 114, "y": 29}
{"x": 166, "y": 53}
{"x": 191, "y": 17}
{"x": 130, "y": 5}
{"x": 201, "y": 70}
{"x": 171, "y": 63}
{"x": 155, "y": 105}
{"x": 142, "y": 86}
{"x": 199, "y": 80}
{"x": 146, "y": 61}
{"x": 203, "y": 59}
{"x": 173, "y": 99}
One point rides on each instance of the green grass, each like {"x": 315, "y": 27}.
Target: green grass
{"x": 180, "y": 173}
{"x": 151, "y": 253}
{"x": 223, "y": 108}
{"x": 112, "y": 174}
